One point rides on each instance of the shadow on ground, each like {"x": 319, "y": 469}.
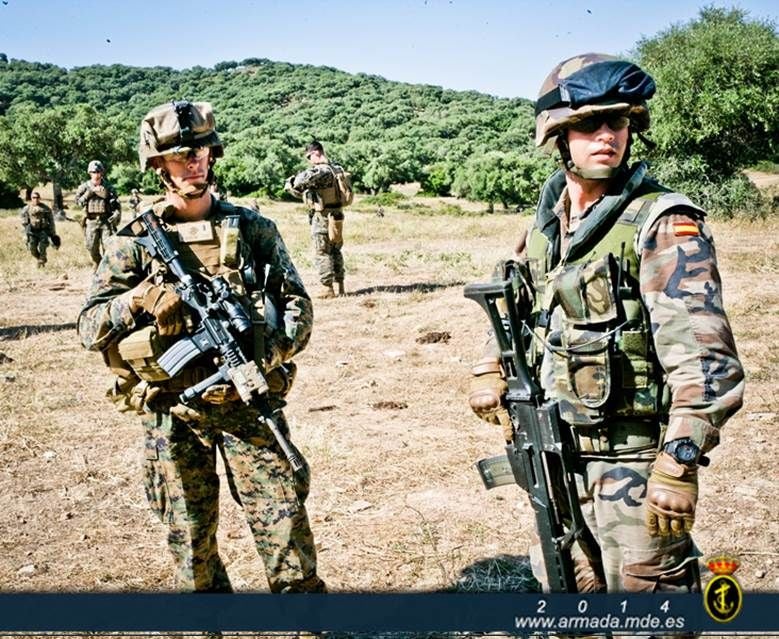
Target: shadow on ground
{"x": 422, "y": 287}
{"x": 8, "y": 333}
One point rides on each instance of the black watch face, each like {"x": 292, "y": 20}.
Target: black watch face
{"x": 686, "y": 452}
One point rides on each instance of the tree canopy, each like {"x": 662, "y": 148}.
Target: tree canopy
{"x": 718, "y": 89}
{"x": 715, "y": 113}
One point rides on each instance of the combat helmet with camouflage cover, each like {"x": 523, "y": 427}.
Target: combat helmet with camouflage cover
{"x": 586, "y": 85}
{"x": 179, "y": 127}
{"x": 95, "y": 166}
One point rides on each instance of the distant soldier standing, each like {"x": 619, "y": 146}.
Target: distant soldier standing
{"x": 133, "y": 308}
{"x": 101, "y": 209}
{"x": 38, "y": 223}
{"x": 630, "y": 335}
{"x": 135, "y": 201}
{"x": 326, "y": 188}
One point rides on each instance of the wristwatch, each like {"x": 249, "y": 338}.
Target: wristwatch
{"x": 683, "y": 450}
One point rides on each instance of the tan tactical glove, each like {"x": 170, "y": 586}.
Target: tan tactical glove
{"x": 487, "y": 389}
{"x": 132, "y": 395}
{"x": 220, "y": 394}
{"x": 671, "y": 496}
{"x": 162, "y": 302}
{"x": 185, "y": 413}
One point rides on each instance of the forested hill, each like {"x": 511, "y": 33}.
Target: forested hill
{"x": 383, "y": 131}
{"x": 715, "y": 113}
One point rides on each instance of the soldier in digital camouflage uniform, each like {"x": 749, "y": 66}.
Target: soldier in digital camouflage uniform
{"x": 130, "y": 291}
{"x": 318, "y": 189}
{"x": 102, "y": 210}
{"x": 135, "y": 201}
{"x": 38, "y": 224}
{"x": 631, "y": 336}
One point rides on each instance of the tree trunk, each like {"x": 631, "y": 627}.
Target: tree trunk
{"x": 27, "y": 193}
{"x": 57, "y": 196}
{"x": 490, "y": 207}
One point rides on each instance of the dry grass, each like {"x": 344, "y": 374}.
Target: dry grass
{"x": 396, "y": 504}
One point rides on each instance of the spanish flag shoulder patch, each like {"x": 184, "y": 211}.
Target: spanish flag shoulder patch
{"x": 685, "y": 228}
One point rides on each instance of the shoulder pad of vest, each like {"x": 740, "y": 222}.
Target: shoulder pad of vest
{"x": 661, "y": 204}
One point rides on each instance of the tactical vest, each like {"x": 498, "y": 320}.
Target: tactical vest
{"x": 594, "y": 350}
{"x": 212, "y": 247}
{"x": 97, "y": 204}
{"x": 39, "y": 217}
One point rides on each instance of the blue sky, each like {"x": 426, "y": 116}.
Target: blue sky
{"x": 500, "y": 47}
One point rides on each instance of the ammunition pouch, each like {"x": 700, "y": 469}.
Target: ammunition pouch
{"x": 140, "y": 350}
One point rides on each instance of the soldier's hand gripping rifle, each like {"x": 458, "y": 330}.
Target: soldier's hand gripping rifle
{"x": 220, "y": 318}
{"x": 540, "y": 458}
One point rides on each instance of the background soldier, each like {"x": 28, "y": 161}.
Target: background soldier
{"x": 135, "y": 201}
{"x": 631, "y": 336}
{"x": 129, "y": 291}
{"x": 322, "y": 187}
{"x": 38, "y": 224}
{"x": 102, "y": 211}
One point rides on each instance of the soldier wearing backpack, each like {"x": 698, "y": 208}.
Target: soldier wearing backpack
{"x": 326, "y": 188}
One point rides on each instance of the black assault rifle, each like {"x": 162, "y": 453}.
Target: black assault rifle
{"x": 221, "y": 317}
{"x": 541, "y": 456}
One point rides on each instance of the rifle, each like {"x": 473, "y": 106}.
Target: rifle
{"x": 540, "y": 457}
{"x": 221, "y": 318}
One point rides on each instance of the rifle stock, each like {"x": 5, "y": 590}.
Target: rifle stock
{"x": 540, "y": 458}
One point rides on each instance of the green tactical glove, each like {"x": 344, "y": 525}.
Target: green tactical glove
{"x": 487, "y": 389}
{"x": 278, "y": 348}
{"x": 162, "y": 302}
{"x": 671, "y": 496}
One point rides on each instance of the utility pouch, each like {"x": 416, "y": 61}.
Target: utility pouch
{"x": 586, "y": 294}
{"x": 228, "y": 248}
{"x": 141, "y": 350}
{"x": 335, "y": 230}
{"x": 587, "y": 291}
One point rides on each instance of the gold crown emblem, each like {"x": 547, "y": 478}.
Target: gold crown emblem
{"x": 723, "y": 564}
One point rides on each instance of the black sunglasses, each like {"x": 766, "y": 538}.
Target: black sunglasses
{"x": 595, "y": 122}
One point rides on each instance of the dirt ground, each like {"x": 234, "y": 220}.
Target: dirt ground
{"x": 379, "y": 410}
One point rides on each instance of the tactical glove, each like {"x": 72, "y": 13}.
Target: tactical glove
{"x": 162, "y": 302}
{"x": 220, "y": 394}
{"x": 277, "y": 349}
{"x": 185, "y": 413}
{"x": 487, "y": 389}
{"x": 671, "y": 496}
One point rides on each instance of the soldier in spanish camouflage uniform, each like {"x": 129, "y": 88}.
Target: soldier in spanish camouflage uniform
{"x": 102, "y": 210}
{"x": 38, "y": 223}
{"x": 318, "y": 189}
{"x": 631, "y": 336}
{"x": 132, "y": 304}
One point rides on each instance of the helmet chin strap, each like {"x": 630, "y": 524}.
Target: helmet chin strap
{"x": 189, "y": 191}
{"x": 602, "y": 173}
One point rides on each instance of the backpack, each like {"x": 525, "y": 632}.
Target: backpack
{"x": 341, "y": 193}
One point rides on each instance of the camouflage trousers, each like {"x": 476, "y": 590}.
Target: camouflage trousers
{"x": 95, "y": 233}
{"x": 183, "y": 489}
{"x": 37, "y": 243}
{"x": 612, "y": 493}
{"x": 327, "y": 253}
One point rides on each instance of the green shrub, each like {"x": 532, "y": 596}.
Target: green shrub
{"x": 387, "y": 198}
{"x": 723, "y": 197}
